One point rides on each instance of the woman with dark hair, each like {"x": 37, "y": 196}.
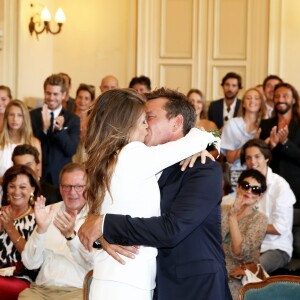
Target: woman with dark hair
{"x": 20, "y": 187}
{"x": 121, "y": 179}
{"x": 243, "y": 226}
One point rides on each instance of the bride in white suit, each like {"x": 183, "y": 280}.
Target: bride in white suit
{"x": 121, "y": 179}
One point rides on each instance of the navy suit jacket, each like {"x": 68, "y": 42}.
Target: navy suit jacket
{"x": 58, "y": 147}
{"x": 215, "y": 111}
{"x": 190, "y": 261}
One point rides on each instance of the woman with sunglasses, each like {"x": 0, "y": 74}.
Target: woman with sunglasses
{"x": 277, "y": 203}
{"x": 243, "y": 226}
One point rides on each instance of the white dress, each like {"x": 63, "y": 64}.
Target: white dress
{"x": 135, "y": 192}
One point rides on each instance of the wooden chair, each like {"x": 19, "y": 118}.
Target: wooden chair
{"x": 281, "y": 287}
{"x": 86, "y": 284}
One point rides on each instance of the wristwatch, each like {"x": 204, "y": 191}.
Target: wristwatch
{"x": 71, "y": 237}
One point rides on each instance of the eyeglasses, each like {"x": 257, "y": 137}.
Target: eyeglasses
{"x": 68, "y": 188}
{"x": 255, "y": 189}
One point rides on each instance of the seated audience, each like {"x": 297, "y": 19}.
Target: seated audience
{"x": 276, "y": 204}
{"x": 20, "y": 187}
{"x": 28, "y": 155}
{"x": 243, "y": 226}
{"x": 241, "y": 129}
{"x": 196, "y": 97}
{"x": 5, "y": 97}
{"x": 141, "y": 84}
{"x": 85, "y": 96}
{"x": 16, "y": 130}
{"x": 54, "y": 246}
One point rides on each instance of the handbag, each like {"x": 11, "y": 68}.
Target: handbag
{"x": 249, "y": 272}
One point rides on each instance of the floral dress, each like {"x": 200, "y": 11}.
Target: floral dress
{"x": 253, "y": 228}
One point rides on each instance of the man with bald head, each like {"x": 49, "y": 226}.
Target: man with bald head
{"x": 108, "y": 82}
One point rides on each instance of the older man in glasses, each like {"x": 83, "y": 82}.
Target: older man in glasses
{"x": 54, "y": 246}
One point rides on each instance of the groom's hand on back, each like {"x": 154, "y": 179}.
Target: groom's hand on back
{"x": 90, "y": 231}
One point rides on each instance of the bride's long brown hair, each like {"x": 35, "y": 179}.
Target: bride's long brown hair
{"x": 113, "y": 116}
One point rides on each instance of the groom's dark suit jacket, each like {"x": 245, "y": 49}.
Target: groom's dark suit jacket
{"x": 190, "y": 259}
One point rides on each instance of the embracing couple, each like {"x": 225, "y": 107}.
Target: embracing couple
{"x": 177, "y": 219}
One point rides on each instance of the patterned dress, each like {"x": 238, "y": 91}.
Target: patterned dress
{"x": 253, "y": 228}
{"x": 9, "y": 256}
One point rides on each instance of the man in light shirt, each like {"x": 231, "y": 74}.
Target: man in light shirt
{"x": 54, "y": 246}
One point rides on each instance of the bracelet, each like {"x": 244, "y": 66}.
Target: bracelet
{"x": 18, "y": 240}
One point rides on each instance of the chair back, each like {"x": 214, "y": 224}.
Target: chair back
{"x": 282, "y": 287}
{"x": 86, "y": 284}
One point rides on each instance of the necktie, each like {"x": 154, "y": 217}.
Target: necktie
{"x": 51, "y": 121}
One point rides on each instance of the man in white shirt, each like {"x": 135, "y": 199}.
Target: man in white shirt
{"x": 54, "y": 246}
{"x": 276, "y": 203}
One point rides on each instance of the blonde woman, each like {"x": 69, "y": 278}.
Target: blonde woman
{"x": 16, "y": 130}
{"x": 239, "y": 130}
{"x": 121, "y": 179}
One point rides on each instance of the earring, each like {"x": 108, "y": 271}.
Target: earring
{"x": 7, "y": 199}
{"x": 31, "y": 199}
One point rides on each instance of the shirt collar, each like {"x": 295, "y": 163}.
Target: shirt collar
{"x": 56, "y": 111}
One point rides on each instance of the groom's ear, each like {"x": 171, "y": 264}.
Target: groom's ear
{"x": 178, "y": 123}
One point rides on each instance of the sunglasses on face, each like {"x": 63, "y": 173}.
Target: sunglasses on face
{"x": 255, "y": 189}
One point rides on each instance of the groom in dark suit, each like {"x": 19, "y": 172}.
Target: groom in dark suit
{"x": 57, "y": 129}
{"x": 190, "y": 261}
